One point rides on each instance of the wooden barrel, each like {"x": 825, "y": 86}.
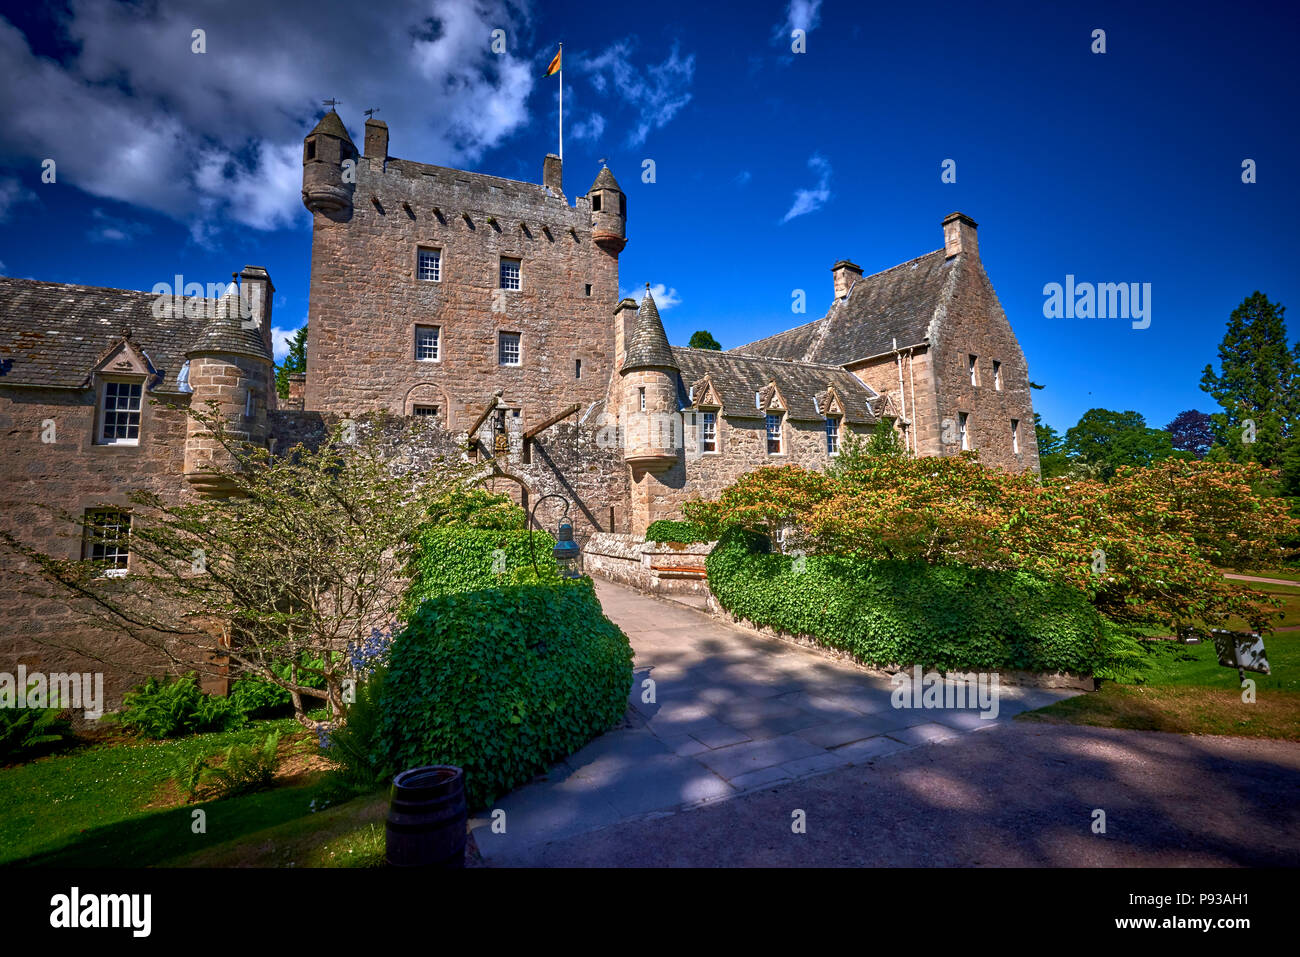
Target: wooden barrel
{"x": 426, "y": 818}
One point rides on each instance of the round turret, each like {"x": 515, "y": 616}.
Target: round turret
{"x": 325, "y": 188}
{"x": 608, "y": 212}
{"x": 651, "y": 422}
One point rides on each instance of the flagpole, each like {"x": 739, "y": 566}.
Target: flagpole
{"x": 561, "y": 101}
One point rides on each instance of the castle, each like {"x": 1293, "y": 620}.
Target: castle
{"x": 486, "y": 312}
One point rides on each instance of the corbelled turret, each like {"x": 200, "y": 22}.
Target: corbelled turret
{"x": 329, "y": 160}
{"x": 608, "y": 212}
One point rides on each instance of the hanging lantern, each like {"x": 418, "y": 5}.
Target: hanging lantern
{"x": 568, "y": 556}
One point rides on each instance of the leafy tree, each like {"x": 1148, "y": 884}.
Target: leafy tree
{"x": 282, "y": 578}
{"x": 1108, "y": 440}
{"x": 1192, "y": 431}
{"x": 295, "y": 361}
{"x": 1052, "y": 460}
{"x": 704, "y": 340}
{"x": 1259, "y": 381}
{"x": 855, "y": 450}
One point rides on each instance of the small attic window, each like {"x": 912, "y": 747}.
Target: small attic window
{"x": 595, "y": 203}
{"x": 311, "y": 149}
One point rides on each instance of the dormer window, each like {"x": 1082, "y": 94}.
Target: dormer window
{"x": 774, "y": 435}
{"x": 119, "y": 411}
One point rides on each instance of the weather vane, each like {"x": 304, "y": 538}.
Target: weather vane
{"x": 372, "y": 112}
{"x": 331, "y": 102}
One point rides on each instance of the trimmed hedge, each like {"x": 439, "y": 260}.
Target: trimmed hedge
{"x": 681, "y": 533}
{"x": 950, "y": 617}
{"x": 503, "y": 682}
{"x": 456, "y": 559}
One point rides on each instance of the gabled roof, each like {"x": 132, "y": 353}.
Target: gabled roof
{"x": 736, "y": 378}
{"x": 56, "y": 333}
{"x": 647, "y": 346}
{"x": 897, "y": 304}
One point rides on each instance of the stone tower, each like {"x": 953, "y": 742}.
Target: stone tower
{"x": 608, "y": 212}
{"x": 326, "y": 187}
{"x": 230, "y": 365}
{"x": 651, "y": 425}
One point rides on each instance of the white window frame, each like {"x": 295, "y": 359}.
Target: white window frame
{"x": 102, "y": 411}
{"x": 501, "y": 350}
{"x": 1015, "y": 436}
{"x": 780, "y": 433}
{"x": 833, "y": 423}
{"x": 997, "y": 376}
{"x": 709, "y": 426}
{"x": 641, "y": 393}
{"x": 117, "y": 549}
{"x": 518, "y": 277}
{"x": 963, "y": 420}
{"x": 437, "y": 343}
{"x": 973, "y": 363}
{"x": 437, "y": 263}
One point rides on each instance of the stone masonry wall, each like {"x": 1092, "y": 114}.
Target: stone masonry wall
{"x": 365, "y": 299}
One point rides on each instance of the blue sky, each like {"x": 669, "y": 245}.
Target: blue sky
{"x": 769, "y": 165}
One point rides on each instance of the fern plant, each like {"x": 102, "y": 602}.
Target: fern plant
{"x": 247, "y": 767}
{"x": 25, "y": 732}
{"x": 188, "y": 774}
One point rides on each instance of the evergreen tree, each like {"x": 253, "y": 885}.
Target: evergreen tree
{"x": 1256, "y": 385}
{"x": 295, "y": 361}
{"x": 704, "y": 340}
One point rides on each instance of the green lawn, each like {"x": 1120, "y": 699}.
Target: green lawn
{"x": 113, "y": 804}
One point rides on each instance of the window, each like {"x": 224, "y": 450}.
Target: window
{"x": 510, "y": 274}
{"x": 997, "y": 375}
{"x": 108, "y": 534}
{"x": 425, "y": 411}
{"x": 641, "y": 393}
{"x": 595, "y": 203}
{"x": 622, "y": 205}
{"x": 577, "y": 368}
{"x": 311, "y": 149}
{"x": 249, "y": 403}
{"x": 963, "y": 419}
{"x": 832, "y": 436}
{"x": 1015, "y": 436}
{"x": 427, "y": 342}
{"x": 974, "y": 371}
{"x": 588, "y": 289}
{"x": 710, "y": 435}
{"x": 773, "y": 435}
{"x": 508, "y": 349}
{"x": 119, "y": 405}
{"x": 429, "y": 265}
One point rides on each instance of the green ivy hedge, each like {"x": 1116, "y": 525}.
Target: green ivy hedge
{"x": 503, "y": 682}
{"x": 457, "y": 559}
{"x": 683, "y": 533}
{"x": 949, "y": 617}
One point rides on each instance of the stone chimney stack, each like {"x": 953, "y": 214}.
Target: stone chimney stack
{"x": 376, "y": 139}
{"x": 959, "y": 236}
{"x": 846, "y": 274}
{"x": 297, "y": 391}
{"x": 258, "y": 296}
{"x": 553, "y": 174}
{"x": 624, "y": 323}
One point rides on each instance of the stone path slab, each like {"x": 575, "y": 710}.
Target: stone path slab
{"x": 733, "y": 712}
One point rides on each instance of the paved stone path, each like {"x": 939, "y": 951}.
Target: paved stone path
{"x": 1263, "y": 581}
{"x": 733, "y": 712}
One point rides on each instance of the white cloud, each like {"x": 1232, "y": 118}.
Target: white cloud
{"x": 215, "y": 138}
{"x": 12, "y": 193}
{"x": 590, "y": 128}
{"x": 656, "y": 93}
{"x": 811, "y": 200}
{"x": 111, "y": 229}
{"x": 664, "y": 297}
{"x": 280, "y": 339}
{"x": 802, "y": 15}
{"x": 3, "y": 267}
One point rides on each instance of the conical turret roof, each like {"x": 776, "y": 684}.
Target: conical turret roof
{"x": 647, "y": 347}
{"x": 605, "y": 180}
{"x": 332, "y": 124}
{"x": 227, "y": 333}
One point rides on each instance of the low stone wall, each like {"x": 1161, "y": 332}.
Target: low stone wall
{"x": 665, "y": 569}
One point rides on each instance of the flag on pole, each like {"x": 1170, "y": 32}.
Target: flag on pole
{"x": 555, "y": 65}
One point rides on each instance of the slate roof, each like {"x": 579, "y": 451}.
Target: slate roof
{"x": 605, "y": 180}
{"x": 55, "y": 333}
{"x": 647, "y": 346}
{"x": 895, "y": 304}
{"x": 737, "y": 377}
{"x": 332, "y": 124}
